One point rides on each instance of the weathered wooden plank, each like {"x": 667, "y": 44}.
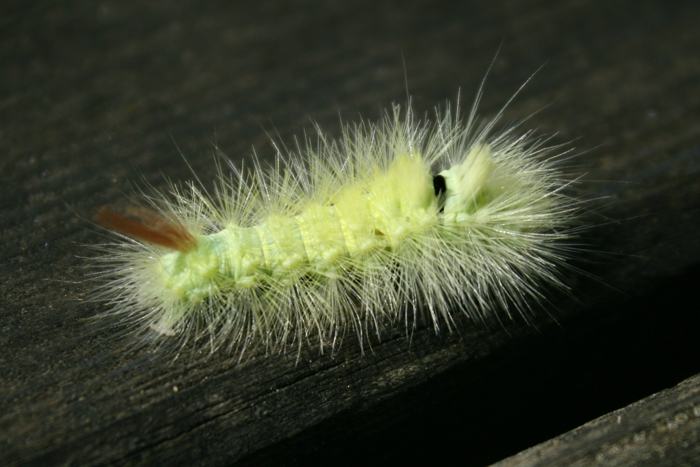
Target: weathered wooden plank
{"x": 661, "y": 430}
{"x": 92, "y": 94}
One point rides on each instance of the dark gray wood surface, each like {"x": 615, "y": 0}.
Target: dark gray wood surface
{"x": 661, "y": 430}
{"x": 95, "y": 96}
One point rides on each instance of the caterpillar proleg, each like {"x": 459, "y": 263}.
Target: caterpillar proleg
{"x": 396, "y": 223}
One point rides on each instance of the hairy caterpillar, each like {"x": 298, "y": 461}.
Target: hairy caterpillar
{"x": 395, "y": 223}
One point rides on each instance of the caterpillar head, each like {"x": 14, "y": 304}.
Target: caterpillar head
{"x": 465, "y": 183}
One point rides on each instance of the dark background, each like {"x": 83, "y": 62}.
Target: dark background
{"x": 96, "y": 96}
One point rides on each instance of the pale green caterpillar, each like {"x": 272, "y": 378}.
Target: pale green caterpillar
{"x": 395, "y": 222}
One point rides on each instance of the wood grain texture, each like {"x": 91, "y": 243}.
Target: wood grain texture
{"x": 643, "y": 433}
{"x": 96, "y": 96}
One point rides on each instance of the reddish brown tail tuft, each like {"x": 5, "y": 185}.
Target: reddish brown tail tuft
{"x": 149, "y": 227}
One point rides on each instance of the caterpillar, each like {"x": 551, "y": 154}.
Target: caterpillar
{"x": 397, "y": 223}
